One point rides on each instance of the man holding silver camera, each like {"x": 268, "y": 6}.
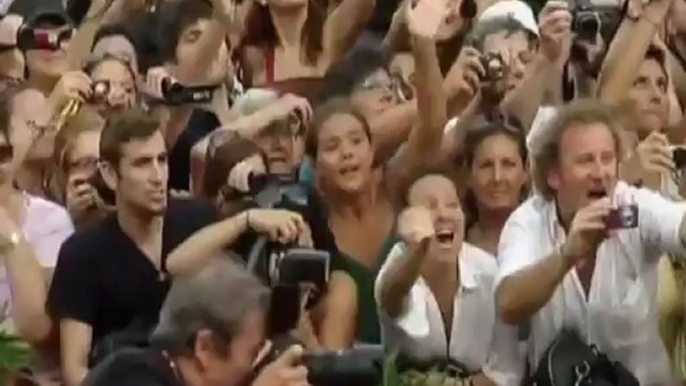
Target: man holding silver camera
{"x": 582, "y": 254}
{"x": 211, "y": 332}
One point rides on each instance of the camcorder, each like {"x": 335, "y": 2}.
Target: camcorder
{"x": 585, "y": 20}
{"x": 104, "y": 191}
{"x": 176, "y": 94}
{"x": 359, "y": 366}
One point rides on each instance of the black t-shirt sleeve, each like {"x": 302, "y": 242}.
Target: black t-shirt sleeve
{"x": 73, "y": 293}
{"x": 132, "y": 368}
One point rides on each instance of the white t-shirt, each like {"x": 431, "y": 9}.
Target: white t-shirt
{"x": 420, "y": 330}
{"x": 46, "y": 226}
{"x": 620, "y": 316}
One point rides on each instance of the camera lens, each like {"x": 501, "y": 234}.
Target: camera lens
{"x": 587, "y": 26}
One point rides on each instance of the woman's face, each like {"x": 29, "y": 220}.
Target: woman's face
{"x": 344, "y": 154}
{"x": 117, "y": 46}
{"x": 82, "y": 159}
{"x": 438, "y": 194}
{"x": 516, "y": 51}
{"x": 649, "y": 95}
{"x": 375, "y": 94}
{"x": 498, "y": 174}
{"x": 122, "y": 86}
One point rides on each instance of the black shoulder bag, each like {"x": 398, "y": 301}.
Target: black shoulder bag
{"x": 569, "y": 361}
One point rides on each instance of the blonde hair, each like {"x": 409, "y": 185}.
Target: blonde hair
{"x": 546, "y": 156}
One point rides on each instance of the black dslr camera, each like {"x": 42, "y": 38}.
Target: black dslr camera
{"x": 285, "y": 268}
{"x": 358, "y": 366}
{"x": 585, "y": 20}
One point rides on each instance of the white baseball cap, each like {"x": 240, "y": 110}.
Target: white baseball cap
{"x": 515, "y": 9}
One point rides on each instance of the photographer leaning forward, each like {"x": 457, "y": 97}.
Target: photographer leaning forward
{"x": 211, "y": 332}
{"x": 578, "y": 261}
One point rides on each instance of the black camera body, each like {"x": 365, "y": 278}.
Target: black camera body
{"x": 358, "y": 366}
{"x": 176, "y": 94}
{"x": 492, "y": 83}
{"x": 585, "y": 20}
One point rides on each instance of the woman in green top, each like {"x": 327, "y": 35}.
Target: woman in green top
{"x": 357, "y": 191}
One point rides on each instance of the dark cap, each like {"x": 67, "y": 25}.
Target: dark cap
{"x": 41, "y": 12}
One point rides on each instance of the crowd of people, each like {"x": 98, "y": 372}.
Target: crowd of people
{"x": 486, "y": 189}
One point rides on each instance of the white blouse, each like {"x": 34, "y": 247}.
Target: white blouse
{"x": 420, "y": 331}
{"x": 46, "y": 226}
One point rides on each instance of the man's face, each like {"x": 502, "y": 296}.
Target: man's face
{"x": 49, "y": 63}
{"x": 515, "y": 49}
{"x": 188, "y": 50}
{"x": 234, "y": 368}
{"x": 282, "y": 147}
{"x": 141, "y": 182}
{"x": 587, "y": 166}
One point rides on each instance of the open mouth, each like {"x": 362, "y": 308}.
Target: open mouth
{"x": 445, "y": 237}
{"x": 597, "y": 194}
{"x": 349, "y": 169}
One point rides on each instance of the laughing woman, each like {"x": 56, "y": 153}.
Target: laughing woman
{"x": 435, "y": 292}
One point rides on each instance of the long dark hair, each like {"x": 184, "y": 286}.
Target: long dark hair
{"x": 481, "y": 130}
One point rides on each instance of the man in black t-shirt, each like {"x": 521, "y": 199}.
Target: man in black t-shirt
{"x": 211, "y": 332}
{"x": 112, "y": 276}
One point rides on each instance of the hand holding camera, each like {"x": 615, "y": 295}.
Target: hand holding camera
{"x": 74, "y": 85}
{"x": 243, "y": 172}
{"x": 651, "y": 160}
{"x": 81, "y": 197}
{"x": 555, "y": 29}
{"x": 464, "y": 77}
{"x": 588, "y": 230}
{"x": 415, "y": 225}
{"x": 286, "y": 370}
{"x": 280, "y": 225}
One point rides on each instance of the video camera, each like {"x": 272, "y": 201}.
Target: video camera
{"x": 176, "y": 94}
{"x": 585, "y": 20}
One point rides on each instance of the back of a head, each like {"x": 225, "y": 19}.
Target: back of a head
{"x": 219, "y": 297}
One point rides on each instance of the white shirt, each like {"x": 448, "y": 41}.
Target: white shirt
{"x": 420, "y": 330}
{"x": 46, "y": 226}
{"x": 620, "y": 316}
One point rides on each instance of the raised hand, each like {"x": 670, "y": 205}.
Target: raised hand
{"x": 9, "y": 27}
{"x": 464, "y": 77}
{"x": 425, "y": 17}
{"x": 415, "y": 225}
{"x": 239, "y": 176}
{"x": 651, "y": 159}
{"x": 555, "y": 29}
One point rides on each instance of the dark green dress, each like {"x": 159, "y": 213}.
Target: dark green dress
{"x": 368, "y": 330}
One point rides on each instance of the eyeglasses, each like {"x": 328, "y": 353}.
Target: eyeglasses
{"x": 395, "y": 85}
